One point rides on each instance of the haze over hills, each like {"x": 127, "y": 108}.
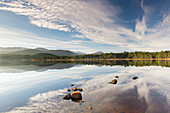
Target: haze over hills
{"x": 97, "y": 53}
{"x": 27, "y": 51}
{"x": 35, "y": 51}
{"x": 6, "y": 50}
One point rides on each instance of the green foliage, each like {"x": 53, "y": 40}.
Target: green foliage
{"x": 126, "y": 63}
{"x": 123, "y": 55}
{"x": 136, "y": 54}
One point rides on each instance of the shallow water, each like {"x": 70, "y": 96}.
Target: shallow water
{"x": 32, "y": 88}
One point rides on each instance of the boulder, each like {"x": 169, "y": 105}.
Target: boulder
{"x": 80, "y": 89}
{"x": 67, "y": 97}
{"x": 134, "y": 78}
{"x": 90, "y": 108}
{"x": 79, "y": 101}
{"x": 116, "y": 76}
{"x": 74, "y": 89}
{"x": 71, "y": 84}
{"x": 113, "y": 81}
{"x": 76, "y": 96}
{"x": 68, "y": 90}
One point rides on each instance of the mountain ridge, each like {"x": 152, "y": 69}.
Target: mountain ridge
{"x": 98, "y": 53}
{"x": 28, "y": 51}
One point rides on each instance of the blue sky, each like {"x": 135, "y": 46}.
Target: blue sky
{"x": 86, "y": 25}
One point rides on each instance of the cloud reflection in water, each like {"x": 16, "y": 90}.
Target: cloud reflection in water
{"x": 150, "y": 93}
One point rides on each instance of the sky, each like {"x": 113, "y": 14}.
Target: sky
{"x": 86, "y": 25}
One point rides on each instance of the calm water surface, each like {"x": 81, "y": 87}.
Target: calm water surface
{"x": 31, "y": 88}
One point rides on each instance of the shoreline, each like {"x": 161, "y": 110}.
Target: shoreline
{"x": 137, "y": 59}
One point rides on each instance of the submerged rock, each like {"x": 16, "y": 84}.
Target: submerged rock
{"x": 134, "y": 78}
{"x": 71, "y": 84}
{"x": 113, "y": 81}
{"x": 76, "y": 96}
{"x": 116, "y": 76}
{"x": 74, "y": 89}
{"x": 79, "y": 101}
{"x": 80, "y": 89}
{"x": 90, "y": 108}
{"x": 67, "y": 97}
{"x": 68, "y": 90}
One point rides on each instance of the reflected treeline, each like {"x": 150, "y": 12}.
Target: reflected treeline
{"x": 125, "y": 63}
{"x": 22, "y": 66}
{"x": 39, "y": 63}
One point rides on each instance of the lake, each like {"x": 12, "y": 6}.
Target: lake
{"x": 32, "y": 87}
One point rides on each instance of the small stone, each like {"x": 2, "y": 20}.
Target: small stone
{"x": 68, "y": 90}
{"x": 67, "y": 97}
{"x": 90, "y": 108}
{"x": 76, "y": 96}
{"x": 74, "y": 89}
{"x": 134, "y": 78}
{"x": 116, "y": 76}
{"x": 80, "y": 89}
{"x": 71, "y": 84}
{"x": 113, "y": 81}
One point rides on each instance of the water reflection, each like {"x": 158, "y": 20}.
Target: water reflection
{"x": 11, "y": 66}
{"x": 24, "y": 68}
{"x": 34, "y": 91}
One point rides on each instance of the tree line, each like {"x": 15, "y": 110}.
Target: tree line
{"x": 122, "y": 55}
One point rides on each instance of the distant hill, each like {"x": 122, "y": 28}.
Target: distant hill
{"x": 25, "y": 51}
{"x": 41, "y": 49}
{"x": 80, "y": 53}
{"x": 6, "y": 50}
{"x": 97, "y": 53}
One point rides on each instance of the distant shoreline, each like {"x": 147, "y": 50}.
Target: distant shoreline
{"x": 100, "y": 59}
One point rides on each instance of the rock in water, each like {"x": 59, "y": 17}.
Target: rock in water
{"x": 113, "y": 81}
{"x": 90, "y": 108}
{"x": 74, "y": 89}
{"x": 79, "y": 101}
{"x": 134, "y": 78}
{"x": 80, "y": 89}
{"x": 116, "y": 76}
{"x": 76, "y": 96}
{"x": 67, "y": 97}
{"x": 71, "y": 84}
{"x": 68, "y": 90}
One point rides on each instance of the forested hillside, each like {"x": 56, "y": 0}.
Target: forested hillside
{"x": 137, "y": 54}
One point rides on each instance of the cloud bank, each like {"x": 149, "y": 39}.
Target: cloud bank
{"x": 95, "y": 20}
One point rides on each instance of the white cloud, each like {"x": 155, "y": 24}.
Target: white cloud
{"x": 10, "y": 37}
{"x": 95, "y": 20}
{"x": 78, "y": 36}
